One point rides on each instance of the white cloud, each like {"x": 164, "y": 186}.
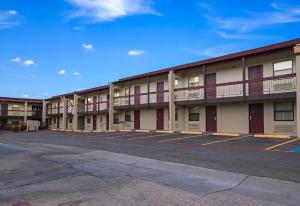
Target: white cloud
{"x": 25, "y": 95}
{"x": 135, "y": 52}
{"x": 88, "y": 47}
{"x": 108, "y": 10}
{"x": 62, "y": 72}
{"x": 8, "y": 19}
{"x": 77, "y": 74}
{"x": 29, "y": 62}
{"x": 17, "y": 59}
{"x": 45, "y": 94}
{"x": 255, "y": 20}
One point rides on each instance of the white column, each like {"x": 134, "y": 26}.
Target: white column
{"x": 25, "y": 112}
{"x": 64, "y": 123}
{"x": 297, "y": 53}
{"x": 111, "y": 106}
{"x": 171, "y": 84}
{"x": 44, "y": 109}
{"x": 75, "y": 113}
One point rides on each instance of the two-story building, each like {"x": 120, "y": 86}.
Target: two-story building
{"x": 253, "y": 91}
{"x": 16, "y": 111}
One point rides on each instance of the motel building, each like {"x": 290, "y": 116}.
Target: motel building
{"x": 14, "y": 112}
{"x": 253, "y": 91}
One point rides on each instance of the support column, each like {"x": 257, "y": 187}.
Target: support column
{"x": 25, "y": 112}
{"x": 44, "y": 110}
{"x": 244, "y": 76}
{"x": 111, "y": 106}
{"x": 297, "y": 54}
{"x": 64, "y": 123}
{"x": 171, "y": 84}
{"x": 75, "y": 113}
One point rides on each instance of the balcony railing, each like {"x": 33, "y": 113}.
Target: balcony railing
{"x": 54, "y": 110}
{"x": 258, "y": 87}
{"x": 93, "y": 107}
{"x": 20, "y": 113}
{"x": 142, "y": 99}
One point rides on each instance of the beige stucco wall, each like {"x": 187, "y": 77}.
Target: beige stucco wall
{"x": 233, "y": 118}
{"x": 148, "y": 119}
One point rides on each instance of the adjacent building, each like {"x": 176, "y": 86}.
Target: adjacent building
{"x": 14, "y": 112}
{"x": 253, "y": 91}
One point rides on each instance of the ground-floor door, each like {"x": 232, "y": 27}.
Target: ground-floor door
{"x": 57, "y": 123}
{"x": 256, "y": 118}
{"x": 3, "y": 124}
{"x": 160, "y": 119}
{"x": 211, "y": 119}
{"x": 107, "y": 122}
{"x": 94, "y": 122}
{"x": 137, "y": 119}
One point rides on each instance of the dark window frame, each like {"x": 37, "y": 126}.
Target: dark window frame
{"x": 128, "y": 115}
{"x": 197, "y": 119}
{"x": 281, "y": 111}
{"x": 284, "y": 60}
{"x": 116, "y": 120}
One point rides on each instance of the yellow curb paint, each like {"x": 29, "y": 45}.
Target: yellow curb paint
{"x": 186, "y": 132}
{"x": 226, "y": 134}
{"x": 283, "y": 143}
{"x": 158, "y": 135}
{"x": 179, "y": 138}
{"x": 271, "y": 136}
{"x": 224, "y": 140}
{"x": 125, "y": 130}
{"x": 164, "y": 131}
{"x": 141, "y": 130}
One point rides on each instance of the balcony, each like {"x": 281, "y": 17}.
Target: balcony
{"x": 275, "y": 87}
{"x": 93, "y": 108}
{"x": 54, "y": 111}
{"x": 21, "y": 113}
{"x": 142, "y": 100}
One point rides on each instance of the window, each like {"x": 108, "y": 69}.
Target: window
{"x": 194, "y": 114}
{"x": 126, "y": 92}
{"x": 15, "y": 122}
{"x": 89, "y": 99}
{"x": 176, "y": 82}
{"x": 88, "y": 121}
{"x": 193, "y": 81}
{"x": 16, "y": 107}
{"x": 176, "y": 114}
{"x": 128, "y": 116}
{"x": 117, "y": 93}
{"x": 116, "y": 118}
{"x": 283, "y": 67}
{"x": 284, "y": 111}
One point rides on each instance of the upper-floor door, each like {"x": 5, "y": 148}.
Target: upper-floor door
{"x": 4, "y": 109}
{"x": 210, "y": 86}
{"x": 255, "y": 80}
{"x": 94, "y": 103}
{"x": 160, "y": 92}
{"x": 137, "y": 92}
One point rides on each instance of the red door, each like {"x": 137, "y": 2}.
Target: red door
{"x": 211, "y": 119}
{"x": 57, "y": 123}
{"x": 210, "y": 81}
{"x": 95, "y": 103}
{"x": 160, "y": 92}
{"x": 94, "y": 122}
{"x": 137, "y": 91}
{"x": 107, "y": 122}
{"x": 160, "y": 119}
{"x": 137, "y": 120}
{"x": 256, "y": 118}
{"x": 255, "y": 80}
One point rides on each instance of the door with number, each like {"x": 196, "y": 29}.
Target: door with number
{"x": 256, "y": 118}
{"x": 255, "y": 80}
{"x": 210, "y": 83}
{"x": 211, "y": 119}
{"x": 160, "y": 92}
{"x": 160, "y": 119}
{"x": 137, "y": 92}
{"x": 137, "y": 115}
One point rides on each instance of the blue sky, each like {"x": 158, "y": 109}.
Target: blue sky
{"x": 51, "y": 47}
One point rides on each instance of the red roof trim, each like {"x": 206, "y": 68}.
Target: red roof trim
{"x": 250, "y": 52}
{"x": 23, "y": 100}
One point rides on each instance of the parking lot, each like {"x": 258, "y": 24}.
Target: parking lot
{"x": 123, "y": 168}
